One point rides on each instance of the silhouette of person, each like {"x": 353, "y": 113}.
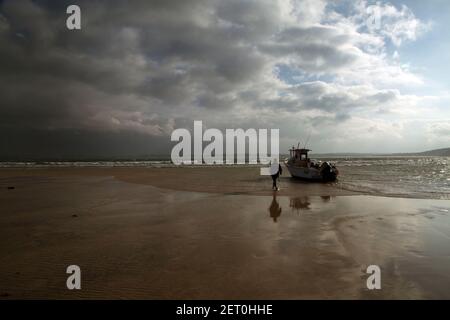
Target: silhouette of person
{"x": 275, "y": 172}
{"x": 275, "y": 209}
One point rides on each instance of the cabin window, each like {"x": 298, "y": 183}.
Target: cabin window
{"x": 303, "y": 157}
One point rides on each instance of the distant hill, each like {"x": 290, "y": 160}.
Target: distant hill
{"x": 445, "y": 152}
{"x": 343, "y": 155}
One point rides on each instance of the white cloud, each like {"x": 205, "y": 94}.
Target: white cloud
{"x": 396, "y": 24}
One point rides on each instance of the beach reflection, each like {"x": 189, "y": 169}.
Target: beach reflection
{"x": 274, "y": 209}
{"x": 297, "y": 204}
{"x": 300, "y": 203}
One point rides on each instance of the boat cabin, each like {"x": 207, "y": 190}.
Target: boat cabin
{"x": 299, "y": 154}
{"x": 299, "y": 157}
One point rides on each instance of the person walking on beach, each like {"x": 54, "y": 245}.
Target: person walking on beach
{"x": 275, "y": 172}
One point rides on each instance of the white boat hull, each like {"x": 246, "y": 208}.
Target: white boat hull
{"x": 304, "y": 173}
{"x": 312, "y": 174}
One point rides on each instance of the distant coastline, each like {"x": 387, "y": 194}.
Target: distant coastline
{"x": 444, "y": 152}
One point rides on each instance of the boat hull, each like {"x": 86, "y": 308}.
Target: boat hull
{"x": 311, "y": 174}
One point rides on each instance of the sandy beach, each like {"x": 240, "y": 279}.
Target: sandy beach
{"x": 213, "y": 233}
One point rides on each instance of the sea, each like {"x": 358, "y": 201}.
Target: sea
{"x": 412, "y": 177}
{"x": 409, "y": 177}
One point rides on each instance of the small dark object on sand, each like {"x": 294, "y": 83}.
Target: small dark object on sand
{"x": 74, "y": 216}
{"x": 11, "y": 188}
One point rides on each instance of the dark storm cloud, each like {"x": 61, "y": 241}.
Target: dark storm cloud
{"x": 149, "y": 66}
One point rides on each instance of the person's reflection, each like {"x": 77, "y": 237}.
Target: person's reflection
{"x": 275, "y": 209}
{"x": 300, "y": 203}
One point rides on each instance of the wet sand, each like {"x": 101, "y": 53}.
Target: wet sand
{"x": 213, "y": 233}
{"x": 226, "y": 180}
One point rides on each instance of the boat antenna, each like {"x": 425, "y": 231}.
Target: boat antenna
{"x": 307, "y": 140}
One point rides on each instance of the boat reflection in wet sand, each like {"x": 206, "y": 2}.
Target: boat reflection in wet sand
{"x": 300, "y": 166}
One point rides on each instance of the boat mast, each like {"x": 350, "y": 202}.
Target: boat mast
{"x": 307, "y": 140}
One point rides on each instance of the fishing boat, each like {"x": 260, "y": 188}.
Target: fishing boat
{"x": 302, "y": 167}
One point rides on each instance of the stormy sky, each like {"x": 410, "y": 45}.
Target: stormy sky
{"x": 357, "y": 76}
